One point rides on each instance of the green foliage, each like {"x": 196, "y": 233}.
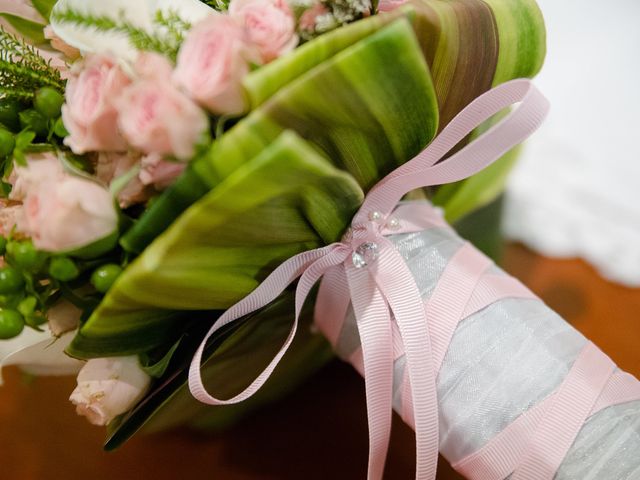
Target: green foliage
{"x": 287, "y": 199}
{"x": 44, "y": 7}
{"x": 22, "y": 70}
{"x": 220, "y": 5}
{"x": 166, "y": 38}
{"x": 32, "y": 31}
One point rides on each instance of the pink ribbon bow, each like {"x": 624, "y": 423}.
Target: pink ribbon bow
{"x": 366, "y": 270}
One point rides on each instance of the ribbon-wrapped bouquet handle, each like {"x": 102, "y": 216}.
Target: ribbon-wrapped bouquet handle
{"x": 366, "y": 272}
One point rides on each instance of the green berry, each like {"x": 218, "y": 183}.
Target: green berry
{"x": 103, "y": 277}
{"x": 34, "y": 121}
{"x": 27, "y": 306}
{"x": 59, "y": 129}
{"x": 3, "y": 245}
{"x": 9, "y": 110}
{"x": 63, "y": 269}
{"x": 10, "y": 280}
{"x": 7, "y": 142}
{"x": 11, "y": 324}
{"x": 24, "y": 255}
{"x": 48, "y": 102}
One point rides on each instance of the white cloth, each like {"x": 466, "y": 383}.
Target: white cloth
{"x": 576, "y": 190}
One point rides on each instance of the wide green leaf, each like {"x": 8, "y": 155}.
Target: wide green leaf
{"x": 521, "y": 46}
{"x": 263, "y": 83}
{"x": 286, "y": 200}
{"x": 44, "y": 7}
{"x": 366, "y": 117}
{"x": 30, "y": 30}
{"x": 522, "y": 41}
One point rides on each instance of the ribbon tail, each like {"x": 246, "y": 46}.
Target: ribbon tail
{"x": 332, "y": 304}
{"x": 374, "y": 324}
{"x": 265, "y": 293}
{"x": 396, "y": 282}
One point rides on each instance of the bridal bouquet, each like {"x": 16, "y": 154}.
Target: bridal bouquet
{"x": 164, "y": 160}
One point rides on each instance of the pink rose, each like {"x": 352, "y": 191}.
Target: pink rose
{"x": 151, "y": 65}
{"x": 270, "y": 25}
{"x": 62, "y": 212}
{"x": 159, "y": 172}
{"x": 156, "y": 117}
{"x": 40, "y": 168}
{"x": 211, "y": 65}
{"x": 111, "y": 166}
{"x": 89, "y": 114}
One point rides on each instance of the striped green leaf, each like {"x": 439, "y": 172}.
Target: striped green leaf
{"x": 521, "y": 47}
{"x": 30, "y": 30}
{"x": 287, "y": 199}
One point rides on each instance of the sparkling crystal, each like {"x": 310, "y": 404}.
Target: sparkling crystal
{"x": 375, "y": 216}
{"x": 393, "y": 223}
{"x": 365, "y": 254}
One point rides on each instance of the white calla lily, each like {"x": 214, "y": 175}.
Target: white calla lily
{"x": 39, "y": 353}
{"x": 139, "y": 13}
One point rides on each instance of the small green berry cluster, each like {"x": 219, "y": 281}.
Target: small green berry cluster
{"x": 31, "y": 281}
{"x": 29, "y": 127}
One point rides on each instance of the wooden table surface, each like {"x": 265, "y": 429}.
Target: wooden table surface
{"x": 319, "y": 432}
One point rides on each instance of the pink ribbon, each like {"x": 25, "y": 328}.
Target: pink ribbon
{"x": 365, "y": 269}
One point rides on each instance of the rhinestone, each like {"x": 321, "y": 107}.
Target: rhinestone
{"x": 375, "y": 216}
{"x": 365, "y": 254}
{"x": 393, "y": 223}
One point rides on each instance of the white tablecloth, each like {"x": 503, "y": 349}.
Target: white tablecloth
{"x": 576, "y": 191}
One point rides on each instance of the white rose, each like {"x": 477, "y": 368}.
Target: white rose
{"x": 108, "y": 387}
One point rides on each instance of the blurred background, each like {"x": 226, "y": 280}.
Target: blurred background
{"x": 576, "y": 190}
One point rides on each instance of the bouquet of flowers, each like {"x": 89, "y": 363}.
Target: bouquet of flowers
{"x": 174, "y": 155}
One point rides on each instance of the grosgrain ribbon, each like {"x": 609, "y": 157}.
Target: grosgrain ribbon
{"x": 378, "y": 283}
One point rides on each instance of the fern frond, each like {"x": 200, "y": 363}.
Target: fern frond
{"x": 166, "y": 40}
{"x": 23, "y": 70}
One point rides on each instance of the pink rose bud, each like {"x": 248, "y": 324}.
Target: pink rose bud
{"x": 108, "y": 387}
{"x": 90, "y": 114}
{"x": 155, "y": 117}
{"x": 212, "y": 63}
{"x": 62, "y": 212}
{"x": 270, "y": 25}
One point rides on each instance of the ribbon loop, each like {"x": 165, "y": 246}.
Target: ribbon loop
{"x": 381, "y": 288}
{"x": 424, "y": 170}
